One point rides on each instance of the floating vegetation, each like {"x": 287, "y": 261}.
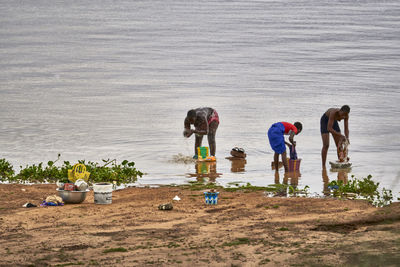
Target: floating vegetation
{"x": 364, "y": 188}
{"x": 270, "y": 190}
{"x": 246, "y": 188}
{"x": 286, "y": 190}
{"x": 197, "y": 186}
{"x": 108, "y": 171}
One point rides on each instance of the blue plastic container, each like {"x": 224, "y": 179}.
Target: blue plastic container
{"x": 211, "y": 198}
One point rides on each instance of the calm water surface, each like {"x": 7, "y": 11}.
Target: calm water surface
{"x": 114, "y": 79}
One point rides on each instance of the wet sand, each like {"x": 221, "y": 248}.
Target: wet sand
{"x": 244, "y": 229}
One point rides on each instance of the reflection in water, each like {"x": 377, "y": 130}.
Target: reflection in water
{"x": 289, "y": 178}
{"x": 205, "y": 172}
{"x": 277, "y": 178}
{"x": 325, "y": 180}
{"x": 342, "y": 175}
{"x": 292, "y": 178}
{"x": 237, "y": 164}
{"x": 280, "y": 165}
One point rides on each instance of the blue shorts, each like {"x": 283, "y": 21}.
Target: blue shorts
{"x": 276, "y": 139}
{"x": 324, "y": 125}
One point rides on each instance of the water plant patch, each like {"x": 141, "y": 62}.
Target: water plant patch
{"x": 107, "y": 171}
{"x": 364, "y": 188}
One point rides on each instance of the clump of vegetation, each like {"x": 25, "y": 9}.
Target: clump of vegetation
{"x": 364, "y": 188}
{"x": 6, "y": 169}
{"x": 287, "y": 190}
{"x": 197, "y": 186}
{"x": 273, "y": 190}
{"x": 283, "y": 229}
{"x": 119, "y": 249}
{"x": 109, "y": 171}
{"x": 237, "y": 242}
{"x": 246, "y": 188}
{"x": 42, "y": 173}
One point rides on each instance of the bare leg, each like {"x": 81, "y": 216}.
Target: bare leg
{"x": 276, "y": 177}
{"x": 285, "y": 178}
{"x": 325, "y": 146}
{"x": 276, "y": 161}
{"x": 212, "y": 130}
{"x": 197, "y": 143}
{"x": 342, "y": 176}
{"x": 325, "y": 180}
{"x": 337, "y": 139}
{"x": 284, "y": 161}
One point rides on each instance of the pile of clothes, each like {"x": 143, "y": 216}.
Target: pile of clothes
{"x": 52, "y": 201}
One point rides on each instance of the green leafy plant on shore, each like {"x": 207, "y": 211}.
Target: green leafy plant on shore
{"x": 364, "y": 188}
{"x": 109, "y": 171}
{"x": 6, "y": 169}
{"x": 42, "y": 173}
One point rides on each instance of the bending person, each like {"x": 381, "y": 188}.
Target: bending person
{"x": 329, "y": 124}
{"x": 205, "y": 122}
{"x": 277, "y": 140}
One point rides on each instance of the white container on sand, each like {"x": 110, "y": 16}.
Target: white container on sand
{"x": 103, "y": 193}
{"x": 81, "y": 185}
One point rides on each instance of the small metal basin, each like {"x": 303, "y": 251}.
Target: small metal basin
{"x": 72, "y": 197}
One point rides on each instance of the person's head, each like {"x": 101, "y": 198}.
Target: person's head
{"x": 345, "y": 108}
{"x": 298, "y": 126}
{"x": 191, "y": 116}
{"x": 344, "y": 111}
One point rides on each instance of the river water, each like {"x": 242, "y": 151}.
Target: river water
{"x": 114, "y": 79}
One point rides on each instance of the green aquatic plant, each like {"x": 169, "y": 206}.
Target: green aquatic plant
{"x": 273, "y": 189}
{"x": 119, "y": 249}
{"x": 109, "y": 171}
{"x": 237, "y": 242}
{"x": 246, "y": 188}
{"x": 364, "y": 188}
{"x": 287, "y": 190}
{"x": 43, "y": 173}
{"x": 197, "y": 186}
{"x": 6, "y": 170}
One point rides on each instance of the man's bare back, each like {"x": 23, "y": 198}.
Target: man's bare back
{"x": 329, "y": 125}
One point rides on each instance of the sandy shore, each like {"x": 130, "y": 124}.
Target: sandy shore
{"x": 244, "y": 229}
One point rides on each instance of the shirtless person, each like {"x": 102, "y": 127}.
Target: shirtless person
{"x": 329, "y": 124}
{"x": 205, "y": 121}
